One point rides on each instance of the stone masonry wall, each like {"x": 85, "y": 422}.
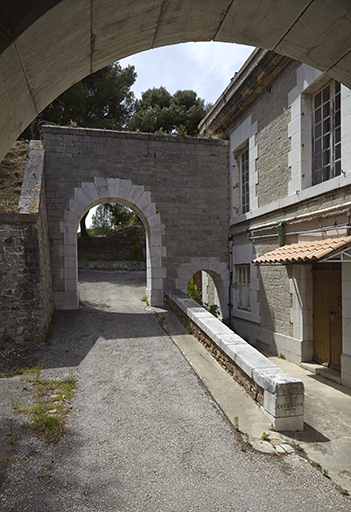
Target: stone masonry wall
{"x": 22, "y": 319}
{"x": 272, "y": 113}
{"x": 272, "y": 165}
{"x": 25, "y": 273}
{"x": 251, "y": 387}
{"x": 186, "y": 176}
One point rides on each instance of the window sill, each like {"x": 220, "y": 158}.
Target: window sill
{"x": 308, "y": 193}
{"x": 246, "y": 315}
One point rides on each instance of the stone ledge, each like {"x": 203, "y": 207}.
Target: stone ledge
{"x": 280, "y": 395}
{"x": 111, "y": 265}
{"x": 96, "y": 132}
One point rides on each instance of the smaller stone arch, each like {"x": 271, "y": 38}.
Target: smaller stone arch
{"x": 118, "y": 190}
{"x": 219, "y": 272}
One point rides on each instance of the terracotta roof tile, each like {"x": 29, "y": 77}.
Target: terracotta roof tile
{"x": 304, "y": 252}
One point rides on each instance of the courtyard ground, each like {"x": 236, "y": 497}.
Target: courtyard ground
{"x": 143, "y": 434}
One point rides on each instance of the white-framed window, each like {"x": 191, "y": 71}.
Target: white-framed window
{"x": 243, "y": 287}
{"x": 244, "y": 181}
{"x": 326, "y": 139}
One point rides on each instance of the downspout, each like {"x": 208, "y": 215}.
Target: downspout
{"x": 230, "y": 246}
{"x": 280, "y": 229}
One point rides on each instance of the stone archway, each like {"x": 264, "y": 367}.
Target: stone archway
{"x": 46, "y": 47}
{"x": 219, "y": 272}
{"x": 103, "y": 190}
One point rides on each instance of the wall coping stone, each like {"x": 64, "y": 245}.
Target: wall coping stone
{"x": 283, "y": 393}
{"x": 95, "y": 132}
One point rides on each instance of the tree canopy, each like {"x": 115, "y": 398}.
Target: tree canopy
{"x": 112, "y": 217}
{"x": 101, "y": 100}
{"x": 158, "y": 111}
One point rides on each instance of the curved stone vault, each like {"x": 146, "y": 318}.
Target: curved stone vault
{"x": 48, "y": 45}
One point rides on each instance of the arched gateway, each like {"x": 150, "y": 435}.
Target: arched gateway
{"x": 177, "y": 185}
{"x": 117, "y": 190}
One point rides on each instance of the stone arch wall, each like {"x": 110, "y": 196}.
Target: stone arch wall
{"x": 181, "y": 180}
{"x": 104, "y": 190}
{"x": 219, "y": 272}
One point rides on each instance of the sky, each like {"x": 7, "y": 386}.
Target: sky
{"x": 206, "y": 68}
{"x": 203, "y": 67}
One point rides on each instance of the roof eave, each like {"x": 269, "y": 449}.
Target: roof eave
{"x": 256, "y": 73}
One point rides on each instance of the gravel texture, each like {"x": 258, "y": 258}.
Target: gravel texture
{"x": 143, "y": 434}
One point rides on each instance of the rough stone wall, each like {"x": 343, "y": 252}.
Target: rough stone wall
{"x": 21, "y": 315}
{"x": 187, "y": 178}
{"x": 25, "y": 273}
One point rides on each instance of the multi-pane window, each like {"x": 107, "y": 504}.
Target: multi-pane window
{"x": 244, "y": 177}
{"x": 326, "y": 133}
{"x": 243, "y": 286}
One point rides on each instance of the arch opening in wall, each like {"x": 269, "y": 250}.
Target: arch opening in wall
{"x": 202, "y": 287}
{"x": 213, "y": 277}
{"x": 113, "y": 234}
{"x": 110, "y": 190}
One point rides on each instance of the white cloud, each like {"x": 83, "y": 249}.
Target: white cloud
{"x": 204, "y": 67}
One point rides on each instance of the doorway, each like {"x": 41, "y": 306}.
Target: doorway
{"x": 327, "y": 316}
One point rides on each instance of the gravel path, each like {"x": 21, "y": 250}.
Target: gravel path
{"x": 143, "y": 434}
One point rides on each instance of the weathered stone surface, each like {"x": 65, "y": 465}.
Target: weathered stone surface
{"x": 280, "y": 395}
{"x": 120, "y": 163}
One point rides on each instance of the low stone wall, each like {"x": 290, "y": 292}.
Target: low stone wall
{"x": 281, "y": 396}
{"x": 111, "y": 265}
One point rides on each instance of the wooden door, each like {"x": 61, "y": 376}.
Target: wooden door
{"x": 327, "y": 317}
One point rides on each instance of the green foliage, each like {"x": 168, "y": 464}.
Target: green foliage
{"x": 193, "y": 292}
{"x": 181, "y": 130}
{"x": 265, "y": 436}
{"x": 160, "y": 112}
{"x": 213, "y": 309}
{"x": 101, "y": 100}
{"x": 10, "y": 433}
{"x": 110, "y": 217}
{"x": 236, "y": 423}
{"x": 144, "y": 299}
{"x": 48, "y": 416}
{"x": 281, "y": 356}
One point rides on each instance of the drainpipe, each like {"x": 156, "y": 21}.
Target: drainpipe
{"x": 280, "y": 228}
{"x": 230, "y": 246}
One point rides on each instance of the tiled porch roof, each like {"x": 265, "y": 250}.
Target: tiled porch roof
{"x": 304, "y": 252}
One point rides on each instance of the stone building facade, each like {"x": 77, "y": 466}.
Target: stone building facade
{"x": 289, "y": 128}
{"x": 273, "y": 169}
